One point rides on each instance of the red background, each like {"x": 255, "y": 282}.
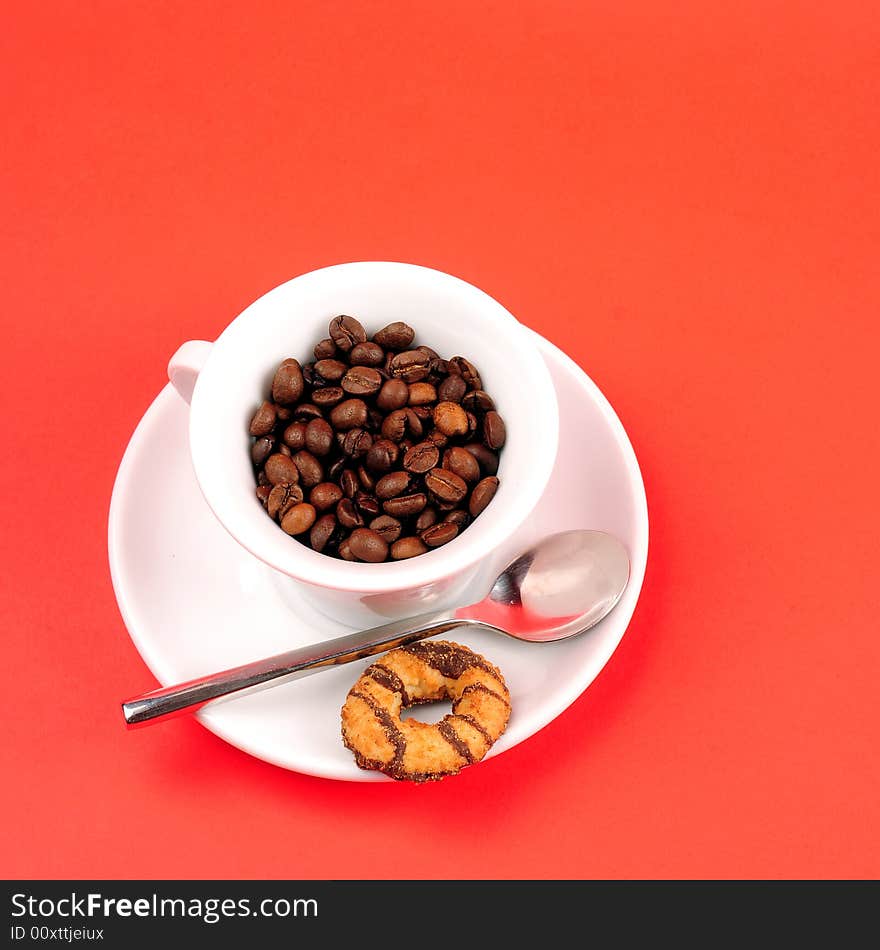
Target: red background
{"x": 682, "y": 196}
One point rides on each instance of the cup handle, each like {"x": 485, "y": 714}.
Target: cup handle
{"x": 186, "y": 364}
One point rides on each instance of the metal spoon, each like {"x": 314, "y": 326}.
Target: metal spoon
{"x": 559, "y": 588}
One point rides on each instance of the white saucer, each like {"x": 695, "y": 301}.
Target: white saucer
{"x": 194, "y": 601}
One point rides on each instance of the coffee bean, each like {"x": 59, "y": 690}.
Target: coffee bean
{"x": 310, "y": 470}
{"x": 322, "y": 530}
{"x": 264, "y": 418}
{"x": 299, "y": 518}
{"x": 421, "y": 458}
{"x": 284, "y": 449}
{"x": 410, "y": 366}
{"x": 347, "y": 515}
{"x": 325, "y": 350}
{"x": 349, "y": 483}
{"x": 262, "y": 480}
{"x": 328, "y": 396}
{"x": 431, "y": 354}
{"x": 331, "y": 370}
{"x": 461, "y": 462}
{"x": 366, "y": 354}
{"x": 483, "y": 493}
{"x": 262, "y": 449}
{"x": 400, "y": 423}
{"x": 458, "y": 517}
{"x": 386, "y": 527}
{"x": 325, "y": 495}
{"x": 362, "y": 381}
{"x": 445, "y": 486}
{"x": 351, "y": 414}
{"x": 306, "y": 410}
{"x": 346, "y": 332}
{"x": 357, "y": 443}
{"x": 319, "y": 437}
{"x": 287, "y": 386}
{"x": 295, "y": 436}
{"x": 367, "y": 545}
{"x": 279, "y": 468}
{"x": 439, "y": 534}
{"x": 465, "y": 368}
{"x": 488, "y": 459}
{"x": 451, "y": 389}
{"x": 365, "y": 477}
{"x": 396, "y": 336}
{"x": 406, "y": 548}
{"x": 366, "y": 504}
{"x": 494, "y": 431}
{"x": 393, "y": 484}
{"x": 438, "y": 438}
{"x": 405, "y": 505}
{"x": 282, "y": 498}
{"x": 393, "y": 395}
{"x": 345, "y": 551}
{"x": 263, "y": 492}
{"x": 426, "y": 519}
{"x": 421, "y": 394}
{"x": 382, "y": 456}
{"x": 450, "y": 418}
{"x": 284, "y": 413}
{"x": 477, "y": 401}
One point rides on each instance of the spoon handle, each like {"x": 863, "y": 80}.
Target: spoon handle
{"x": 187, "y": 697}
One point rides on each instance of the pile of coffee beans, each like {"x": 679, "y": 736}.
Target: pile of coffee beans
{"x": 377, "y": 448}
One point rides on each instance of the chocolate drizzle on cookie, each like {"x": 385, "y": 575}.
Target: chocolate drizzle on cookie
{"x": 450, "y": 659}
{"x": 389, "y": 679}
{"x": 392, "y": 733}
{"x": 452, "y": 737}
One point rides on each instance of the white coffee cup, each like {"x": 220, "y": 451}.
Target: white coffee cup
{"x": 226, "y": 380}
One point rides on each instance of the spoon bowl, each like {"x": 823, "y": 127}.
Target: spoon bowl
{"x": 561, "y": 587}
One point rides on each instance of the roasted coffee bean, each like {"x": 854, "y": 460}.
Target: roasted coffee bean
{"x": 362, "y": 381}
{"x": 400, "y": 423}
{"x": 262, "y": 480}
{"x": 357, "y": 443}
{"x": 450, "y": 418}
{"x": 407, "y": 547}
{"x": 451, "y": 389}
{"x": 351, "y": 414}
{"x": 347, "y": 515}
{"x": 396, "y": 336}
{"x": 263, "y": 492}
{"x": 431, "y": 354}
{"x": 439, "y": 368}
{"x": 393, "y": 395}
{"x": 405, "y": 445}
{"x": 264, "y": 418}
{"x": 262, "y": 449}
{"x": 459, "y": 517}
{"x": 322, "y": 531}
{"x": 346, "y": 332}
{"x": 295, "y": 436}
{"x": 284, "y": 450}
{"x": 465, "y": 368}
{"x": 424, "y": 414}
{"x": 310, "y": 377}
{"x": 460, "y": 461}
{"x": 438, "y": 438}
{"x": 299, "y": 518}
{"x": 325, "y": 495}
{"x": 334, "y": 472}
{"x": 374, "y": 419}
{"x": 405, "y": 506}
{"x": 366, "y": 354}
{"x": 477, "y": 401}
{"x": 426, "y": 519}
{"x": 494, "y": 431}
{"x": 319, "y": 437}
{"x": 411, "y": 366}
{"x": 382, "y": 456}
{"x": 421, "y": 458}
{"x": 473, "y": 425}
{"x": 325, "y": 350}
{"x": 307, "y": 410}
{"x": 331, "y": 370}
{"x": 365, "y": 477}
{"x": 445, "y": 486}
{"x": 310, "y": 469}
{"x": 287, "y": 386}
{"x": 483, "y": 493}
{"x": 367, "y": 545}
{"x": 279, "y": 468}
{"x": 421, "y": 394}
{"x": 345, "y": 551}
{"x": 393, "y": 484}
{"x": 486, "y": 457}
{"x": 439, "y": 534}
{"x": 386, "y": 527}
{"x": 328, "y": 396}
{"x": 349, "y": 483}
{"x": 282, "y": 498}
{"x": 366, "y": 504}
{"x": 284, "y": 413}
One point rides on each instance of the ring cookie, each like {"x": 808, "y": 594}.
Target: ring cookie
{"x": 423, "y": 673}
